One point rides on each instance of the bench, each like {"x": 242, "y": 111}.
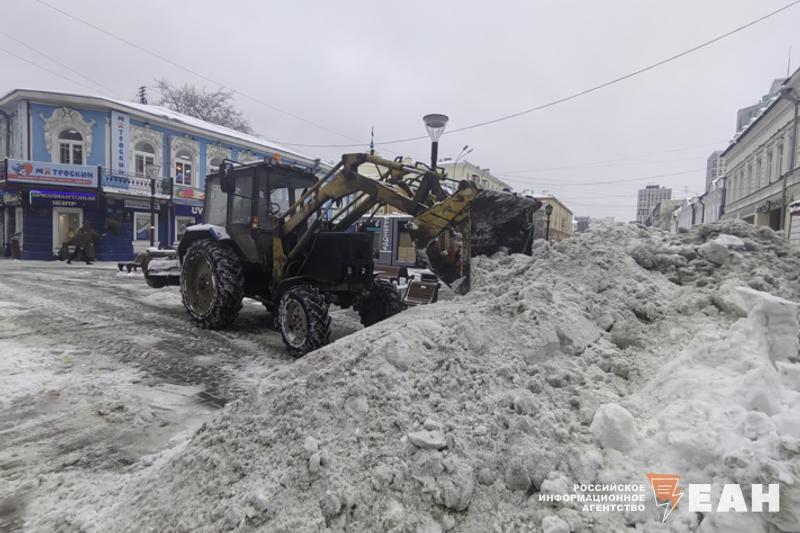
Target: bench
{"x": 421, "y": 293}
{"x": 392, "y": 273}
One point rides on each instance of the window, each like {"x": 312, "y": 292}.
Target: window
{"x": 70, "y": 147}
{"x": 241, "y": 201}
{"x": 144, "y": 155}
{"x": 141, "y": 226}
{"x": 769, "y": 167}
{"x": 184, "y": 169}
{"x": 181, "y": 223}
{"x": 759, "y": 176}
{"x": 780, "y": 161}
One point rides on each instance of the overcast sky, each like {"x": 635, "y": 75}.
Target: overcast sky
{"x": 350, "y": 65}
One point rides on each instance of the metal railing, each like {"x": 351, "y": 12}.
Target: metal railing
{"x": 136, "y": 184}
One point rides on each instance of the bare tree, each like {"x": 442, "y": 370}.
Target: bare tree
{"x": 216, "y": 107}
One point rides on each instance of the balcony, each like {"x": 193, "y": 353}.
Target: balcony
{"x": 129, "y": 183}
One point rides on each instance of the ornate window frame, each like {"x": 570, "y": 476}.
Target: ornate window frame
{"x": 64, "y": 118}
{"x": 152, "y": 137}
{"x": 247, "y": 156}
{"x": 215, "y": 151}
{"x": 192, "y": 147}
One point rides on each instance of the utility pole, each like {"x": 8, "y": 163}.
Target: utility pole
{"x": 372, "y": 140}
{"x": 152, "y": 171}
{"x": 142, "y": 94}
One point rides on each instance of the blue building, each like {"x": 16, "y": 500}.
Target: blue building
{"x": 69, "y": 158}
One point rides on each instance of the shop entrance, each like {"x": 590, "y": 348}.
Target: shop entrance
{"x": 66, "y": 221}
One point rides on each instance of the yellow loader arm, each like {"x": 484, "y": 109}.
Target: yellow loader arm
{"x": 447, "y": 227}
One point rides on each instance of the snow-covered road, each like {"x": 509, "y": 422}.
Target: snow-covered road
{"x": 97, "y": 371}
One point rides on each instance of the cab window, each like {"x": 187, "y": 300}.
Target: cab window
{"x": 241, "y": 201}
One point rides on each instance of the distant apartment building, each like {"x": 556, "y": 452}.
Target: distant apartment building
{"x": 647, "y": 200}
{"x": 560, "y": 220}
{"x": 714, "y": 168}
{"x": 482, "y": 177}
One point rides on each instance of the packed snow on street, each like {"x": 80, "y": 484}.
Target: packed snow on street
{"x": 613, "y": 354}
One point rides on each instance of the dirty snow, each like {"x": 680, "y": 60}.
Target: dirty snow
{"x": 616, "y": 353}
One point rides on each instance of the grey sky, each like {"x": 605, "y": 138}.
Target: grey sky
{"x": 351, "y": 64}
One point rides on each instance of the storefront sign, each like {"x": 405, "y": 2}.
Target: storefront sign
{"x": 22, "y": 130}
{"x": 11, "y": 198}
{"x": 51, "y": 173}
{"x": 386, "y": 236}
{"x": 120, "y": 124}
{"x": 139, "y": 204}
{"x": 189, "y": 192}
{"x": 61, "y": 198}
{"x": 768, "y": 206}
{"x": 189, "y": 210}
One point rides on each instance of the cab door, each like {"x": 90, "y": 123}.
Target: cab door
{"x": 241, "y": 209}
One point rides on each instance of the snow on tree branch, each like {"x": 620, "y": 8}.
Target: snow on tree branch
{"x": 216, "y": 107}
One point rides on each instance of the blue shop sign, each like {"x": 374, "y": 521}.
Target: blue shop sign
{"x": 61, "y": 198}
{"x": 189, "y": 210}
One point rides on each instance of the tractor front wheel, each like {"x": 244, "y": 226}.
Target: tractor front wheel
{"x": 212, "y": 284}
{"x": 383, "y": 301}
{"x": 303, "y": 319}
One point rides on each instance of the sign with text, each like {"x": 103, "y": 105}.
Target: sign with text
{"x": 189, "y": 193}
{"x": 120, "y": 126}
{"x": 51, "y": 173}
{"x": 22, "y": 129}
{"x": 61, "y": 198}
{"x": 11, "y": 198}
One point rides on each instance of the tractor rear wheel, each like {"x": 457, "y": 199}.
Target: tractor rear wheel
{"x": 212, "y": 284}
{"x": 303, "y": 319}
{"x": 383, "y": 301}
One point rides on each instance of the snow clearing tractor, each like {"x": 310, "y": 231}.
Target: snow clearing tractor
{"x": 277, "y": 233}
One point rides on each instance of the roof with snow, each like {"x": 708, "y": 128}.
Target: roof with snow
{"x": 160, "y": 115}
{"x": 772, "y": 102}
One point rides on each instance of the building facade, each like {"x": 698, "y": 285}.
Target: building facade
{"x": 762, "y": 180}
{"x": 714, "y": 167}
{"x": 71, "y": 158}
{"x": 482, "y": 177}
{"x": 647, "y": 199}
{"x": 661, "y": 215}
{"x": 561, "y": 225}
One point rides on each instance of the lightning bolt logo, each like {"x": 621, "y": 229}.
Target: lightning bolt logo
{"x": 665, "y": 491}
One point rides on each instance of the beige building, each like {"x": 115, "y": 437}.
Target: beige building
{"x": 561, "y": 225}
{"x": 482, "y": 177}
{"x": 762, "y": 179}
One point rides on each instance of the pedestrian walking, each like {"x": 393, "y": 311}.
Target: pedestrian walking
{"x": 85, "y": 243}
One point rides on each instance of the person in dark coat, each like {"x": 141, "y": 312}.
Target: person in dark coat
{"x": 85, "y": 243}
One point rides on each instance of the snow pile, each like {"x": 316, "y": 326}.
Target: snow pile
{"x": 613, "y": 354}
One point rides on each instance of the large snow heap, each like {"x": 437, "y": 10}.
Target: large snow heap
{"x": 609, "y": 355}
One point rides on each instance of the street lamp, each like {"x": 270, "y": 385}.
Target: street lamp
{"x": 548, "y": 210}
{"x": 435, "y": 124}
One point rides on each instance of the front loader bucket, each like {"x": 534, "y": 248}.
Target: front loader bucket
{"x": 472, "y": 222}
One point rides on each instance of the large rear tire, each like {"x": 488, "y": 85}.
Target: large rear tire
{"x": 383, "y": 301}
{"x": 212, "y": 284}
{"x": 303, "y": 319}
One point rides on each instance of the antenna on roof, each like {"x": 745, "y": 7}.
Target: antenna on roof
{"x": 372, "y": 140}
{"x": 142, "y": 95}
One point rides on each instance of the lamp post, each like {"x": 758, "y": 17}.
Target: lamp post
{"x": 435, "y": 124}
{"x": 152, "y": 172}
{"x": 548, "y": 210}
